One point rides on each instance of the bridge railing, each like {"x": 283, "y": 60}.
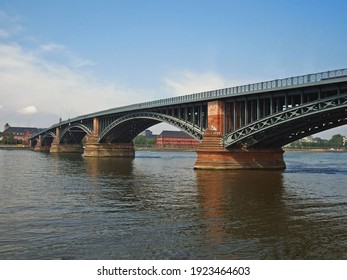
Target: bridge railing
{"x": 249, "y": 88}
{"x": 208, "y": 95}
{"x": 254, "y": 87}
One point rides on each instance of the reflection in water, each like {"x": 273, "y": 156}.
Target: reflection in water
{"x": 240, "y": 204}
{"x": 253, "y": 208}
{"x": 157, "y": 207}
{"x": 108, "y": 166}
{"x": 239, "y": 195}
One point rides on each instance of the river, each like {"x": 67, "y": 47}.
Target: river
{"x": 157, "y": 206}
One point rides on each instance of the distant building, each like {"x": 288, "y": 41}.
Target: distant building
{"x": 147, "y": 133}
{"x": 176, "y": 139}
{"x": 308, "y": 139}
{"x": 20, "y": 134}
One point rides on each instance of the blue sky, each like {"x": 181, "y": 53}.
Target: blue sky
{"x": 65, "y": 58}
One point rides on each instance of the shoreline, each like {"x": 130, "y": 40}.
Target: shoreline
{"x": 14, "y": 147}
{"x": 315, "y": 150}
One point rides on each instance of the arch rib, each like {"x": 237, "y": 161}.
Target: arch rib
{"x": 247, "y": 135}
{"x": 187, "y": 127}
{"x": 70, "y": 128}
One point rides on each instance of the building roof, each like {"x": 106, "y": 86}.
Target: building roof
{"x": 173, "y": 134}
{"x": 16, "y": 130}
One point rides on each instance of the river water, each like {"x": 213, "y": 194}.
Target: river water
{"x": 157, "y": 206}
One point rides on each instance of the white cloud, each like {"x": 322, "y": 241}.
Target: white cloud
{"x": 9, "y": 25}
{"x": 53, "y": 88}
{"x": 29, "y": 110}
{"x": 186, "y": 82}
{"x": 3, "y": 33}
{"x": 51, "y": 47}
{"x": 61, "y": 53}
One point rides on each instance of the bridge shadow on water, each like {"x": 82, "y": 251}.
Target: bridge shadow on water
{"x": 176, "y": 212}
{"x": 258, "y": 210}
{"x": 241, "y": 205}
{"x": 109, "y": 166}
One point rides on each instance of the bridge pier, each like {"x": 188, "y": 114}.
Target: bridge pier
{"x": 212, "y": 155}
{"x": 39, "y": 147}
{"x": 95, "y": 149}
{"x": 66, "y": 148}
{"x": 120, "y": 150}
{"x": 57, "y": 148}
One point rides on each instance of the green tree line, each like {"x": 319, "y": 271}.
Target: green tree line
{"x": 336, "y": 142}
{"x": 8, "y": 139}
{"x": 142, "y": 141}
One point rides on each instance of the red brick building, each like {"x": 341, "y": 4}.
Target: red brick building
{"x": 20, "y": 134}
{"x": 176, "y": 139}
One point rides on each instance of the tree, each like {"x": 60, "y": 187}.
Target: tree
{"x": 140, "y": 140}
{"x": 336, "y": 141}
{"x": 9, "y": 139}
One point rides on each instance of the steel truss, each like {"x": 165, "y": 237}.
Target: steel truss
{"x": 74, "y": 133}
{"x": 185, "y": 126}
{"x": 291, "y": 124}
{"x": 47, "y": 138}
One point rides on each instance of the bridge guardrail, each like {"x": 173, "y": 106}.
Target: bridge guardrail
{"x": 254, "y": 87}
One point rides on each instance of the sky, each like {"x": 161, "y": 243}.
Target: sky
{"x": 61, "y": 59}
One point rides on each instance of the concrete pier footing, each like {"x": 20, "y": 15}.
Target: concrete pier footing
{"x": 66, "y": 148}
{"x": 212, "y": 155}
{"x": 121, "y": 150}
{"x": 39, "y": 148}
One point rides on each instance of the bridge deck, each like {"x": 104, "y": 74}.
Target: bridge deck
{"x": 308, "y": 80}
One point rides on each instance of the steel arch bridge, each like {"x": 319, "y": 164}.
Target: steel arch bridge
{"x": 292, "y": 124}
{"x": 139, "y": 121}
{"x": 264, "y": 115}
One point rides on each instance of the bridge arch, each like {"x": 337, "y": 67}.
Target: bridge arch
{"x": 125, "y": 128}
{"x": 292, "y": 124}
{"x": 48, "y": 138}
{"x": 73, "y": 134}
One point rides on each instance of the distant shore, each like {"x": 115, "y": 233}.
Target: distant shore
{"x": 166, "y": 149}
{"x": 316, "y": 150}
{"x": 14, "y": 147}
{"x": 175, "y": 149}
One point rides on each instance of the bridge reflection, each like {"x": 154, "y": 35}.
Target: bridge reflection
{"x": 242, "y": 205}
{"x": 242, "y": 127}
{"x": 260, "y": 209}
{"x": 97, "y": 167}
{"x": 176, "y": 212}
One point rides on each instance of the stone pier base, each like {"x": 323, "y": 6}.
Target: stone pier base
{"x": 39, "y": 148}
{"x": 121, "y": 150}
{"x": 212, "y": 155}
{"x": 66, "y": 148}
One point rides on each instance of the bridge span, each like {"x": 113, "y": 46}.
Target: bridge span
{"x": 241, "y": 127}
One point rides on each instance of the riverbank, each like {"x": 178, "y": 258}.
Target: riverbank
{"x": 173, "y": 149}
{"x": 317, "y": 150}
{"x": 165, "y": 149}
{"x": 14, "y": 147}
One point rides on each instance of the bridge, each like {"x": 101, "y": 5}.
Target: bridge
{"x": 241, "y": 127}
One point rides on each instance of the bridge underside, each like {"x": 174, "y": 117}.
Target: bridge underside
{"x": 279, "y": 129}
{"x": 212, "y": 155}
{"x": 117, "y": 142}
{"x": 280, "y": 136}
{"x": 258, "y": 144}
{"x": 240, "y": 128}
{"x": 127, "y": 131}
